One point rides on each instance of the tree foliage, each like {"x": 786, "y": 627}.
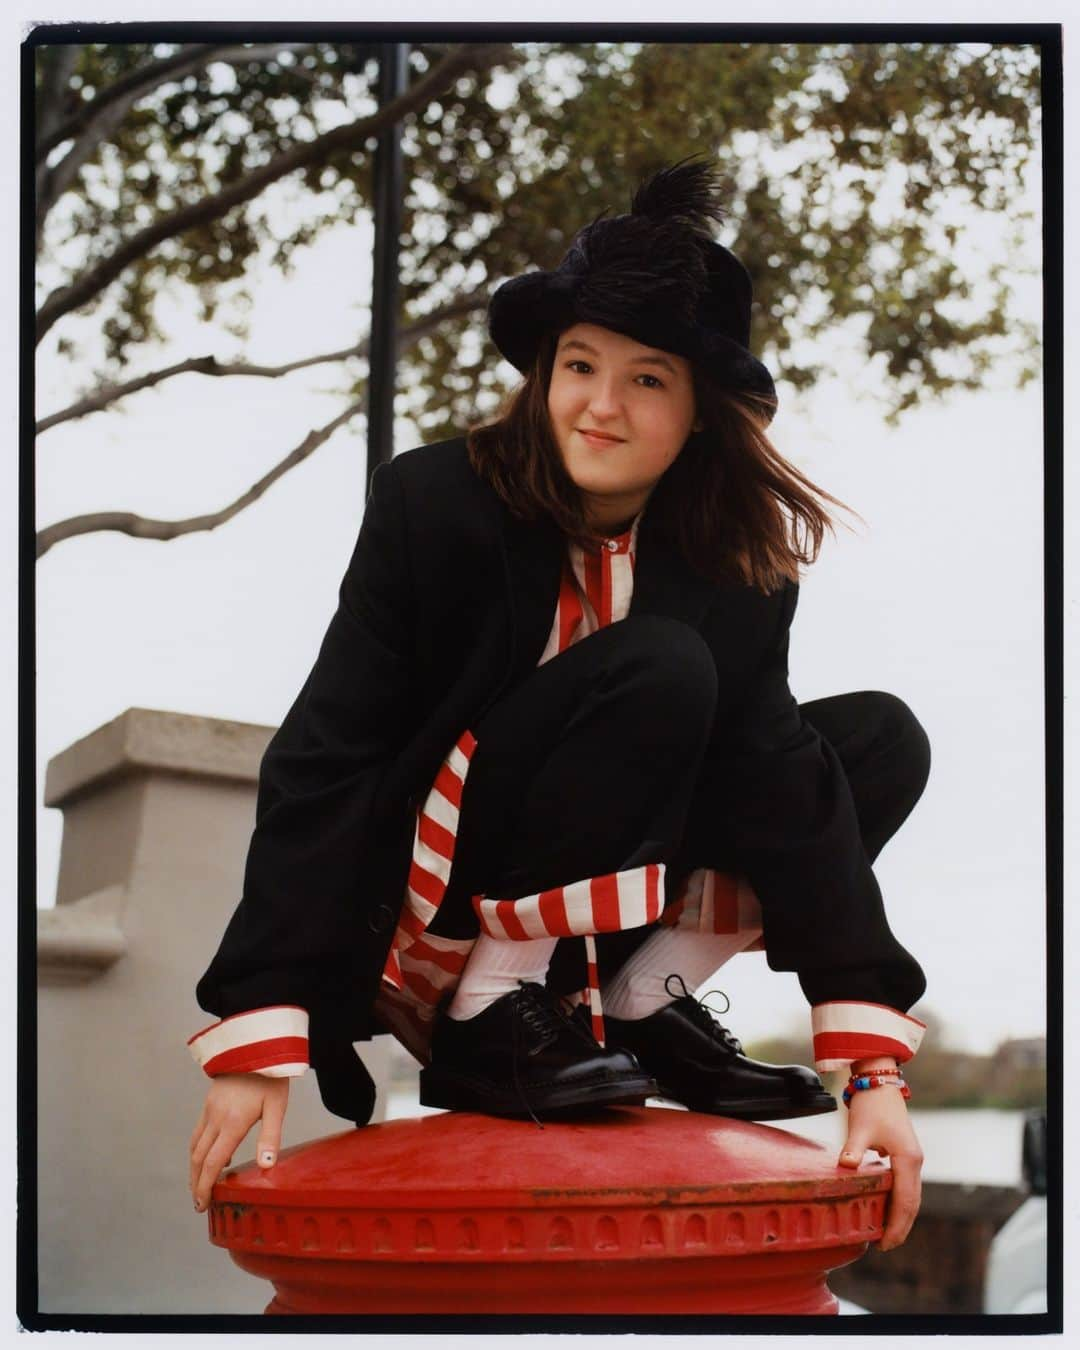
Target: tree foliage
{"x": 855, "y": 173}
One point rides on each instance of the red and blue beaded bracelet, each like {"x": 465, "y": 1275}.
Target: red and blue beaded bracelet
{"x": 860, "y": 1082}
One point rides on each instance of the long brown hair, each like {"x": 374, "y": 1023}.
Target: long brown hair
{"x": 730, "y": 503}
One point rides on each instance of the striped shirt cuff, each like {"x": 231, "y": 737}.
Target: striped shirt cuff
{"x": 844, "y": 1032}
{"x": 270, "y": 1041}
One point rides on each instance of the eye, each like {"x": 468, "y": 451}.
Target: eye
{"x": 578, "y": 366}
{"x": 654, "y": 383}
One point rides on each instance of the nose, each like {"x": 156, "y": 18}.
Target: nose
{"x": 604, "y": 401}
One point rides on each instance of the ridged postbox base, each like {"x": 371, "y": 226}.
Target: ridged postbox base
{"x": 633, "y": 1210}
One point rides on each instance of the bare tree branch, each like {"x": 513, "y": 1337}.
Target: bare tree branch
{"x": 97, "y": 119}
{"x": 144, "y": 527}
{"x": 54, "y": 95}
{"x": 56, "y": 63}
{"x": 351, "y": 136}
{"x": 53, "y": 182}
{"x": 466, "y": 303}
{"x": 126, "y": 89}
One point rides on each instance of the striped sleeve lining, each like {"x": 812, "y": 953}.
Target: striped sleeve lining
{"x": 270, "y": 1041}
{"x": 436, "y": 833}
{"x": 714, "y": 902}
{"x": 603, "y": 904}
{"x": 844, "y": 1032}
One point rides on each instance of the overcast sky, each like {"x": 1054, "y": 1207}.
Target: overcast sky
{"x": 937, "y": 598}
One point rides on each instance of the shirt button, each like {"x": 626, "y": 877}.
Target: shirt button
{"x": 380, "y": 919}
{"x": 611, "y": 545}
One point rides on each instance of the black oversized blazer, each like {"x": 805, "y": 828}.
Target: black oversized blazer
{"x": 446, "y": 604}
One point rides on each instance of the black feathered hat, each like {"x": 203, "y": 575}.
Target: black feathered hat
{"x": 655, "y": 275}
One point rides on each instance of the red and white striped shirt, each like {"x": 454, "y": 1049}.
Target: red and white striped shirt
{"x": 595, "y": 590}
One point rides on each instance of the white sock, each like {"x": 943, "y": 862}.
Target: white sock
{"x": 638, "y": 988}
{"x": 495, "y": 967}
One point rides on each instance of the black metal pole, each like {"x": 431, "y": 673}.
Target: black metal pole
{"x": 382, "y": 358}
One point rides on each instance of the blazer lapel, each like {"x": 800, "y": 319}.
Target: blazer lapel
{"x": 665, "y": 584}
{"x": 533, "y": 551}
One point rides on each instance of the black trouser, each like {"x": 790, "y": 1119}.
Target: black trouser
{"x": 590, "y": 766}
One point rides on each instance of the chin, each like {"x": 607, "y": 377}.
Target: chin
{"x": 601, "y": 485}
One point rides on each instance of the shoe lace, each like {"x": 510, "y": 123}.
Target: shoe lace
{"x": 542, "y": 1019}
{"x": 701, "y": 1014}
{"x": 538, "y": 1012}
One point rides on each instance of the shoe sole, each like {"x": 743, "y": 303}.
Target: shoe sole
{"x": 458, "y": 1094}
{"x": 742, "y": 1109}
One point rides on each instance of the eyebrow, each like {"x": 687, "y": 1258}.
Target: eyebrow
{"x": 576, "y": 344}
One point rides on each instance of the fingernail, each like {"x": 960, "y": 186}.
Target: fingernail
{"x": 198, "y": 1205}
{"x": 266, "y": 1158}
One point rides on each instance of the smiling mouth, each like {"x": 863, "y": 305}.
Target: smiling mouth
{"x": 602, "y": 436}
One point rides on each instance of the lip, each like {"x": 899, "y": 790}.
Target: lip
{"x": 598, "y": 437}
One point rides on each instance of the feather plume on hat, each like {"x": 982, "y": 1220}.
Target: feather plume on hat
{"x": 654, "y": 255}
{"x": 687, "y": 192}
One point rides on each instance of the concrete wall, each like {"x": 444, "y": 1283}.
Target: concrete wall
{"x": 158, "y": 810}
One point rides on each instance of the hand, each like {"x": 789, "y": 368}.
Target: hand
{"x": 878, "y": 1119}
{"x": 233, "y": 1104}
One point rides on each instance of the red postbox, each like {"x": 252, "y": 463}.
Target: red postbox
{"x": 633, "y": 1210}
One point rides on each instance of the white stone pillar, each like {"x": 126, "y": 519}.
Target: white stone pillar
{"x": 158, "y": 811}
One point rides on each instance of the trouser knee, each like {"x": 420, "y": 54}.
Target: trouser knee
{"x": 901, "y": 744}
{"x": 668, "y": 676}
{"x": 884, "y": 752}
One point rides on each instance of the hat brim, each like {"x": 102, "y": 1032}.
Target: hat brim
{"x": 522, "y": 311}
{"x": 526, "y": 308}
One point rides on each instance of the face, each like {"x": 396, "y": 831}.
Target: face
{"x": 620, "y": 413}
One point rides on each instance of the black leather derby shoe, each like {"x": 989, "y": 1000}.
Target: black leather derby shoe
{"x": 697, "y": 1062}
{"x": 523, "y": 1057}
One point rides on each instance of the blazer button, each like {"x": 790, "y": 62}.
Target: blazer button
{"x": 380, "y": 918}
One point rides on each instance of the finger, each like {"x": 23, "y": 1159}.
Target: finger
{"x": 196, "y": 1133}
{"x": 204, "y": 1170}
{"x": 269, "y": 1143}
{"x": 854, "y": 1148}
{"x": 198, "y": 1154}
{"x": 214, "y": 1164}
{"x": 218, "y": 1158}
{"x": 904, "y": 1200}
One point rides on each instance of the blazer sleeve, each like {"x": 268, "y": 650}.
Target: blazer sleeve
{"x": 299, "y": 918}
{"x": 790, "y": 826}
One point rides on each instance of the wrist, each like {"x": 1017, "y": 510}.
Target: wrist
{"x": 866, "y": 1080}
{"x": 875, "y": 1063}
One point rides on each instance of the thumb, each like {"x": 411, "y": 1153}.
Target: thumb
{"x": 269, "y": 1143}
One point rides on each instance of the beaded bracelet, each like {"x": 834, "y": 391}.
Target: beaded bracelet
{"x": 887, "y": 1078}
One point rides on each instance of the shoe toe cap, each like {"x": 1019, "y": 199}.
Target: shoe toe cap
{"x": 801, "y": 1079}
{"x": 622, "y": 1062}
{"x": 604, "y": 1066}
